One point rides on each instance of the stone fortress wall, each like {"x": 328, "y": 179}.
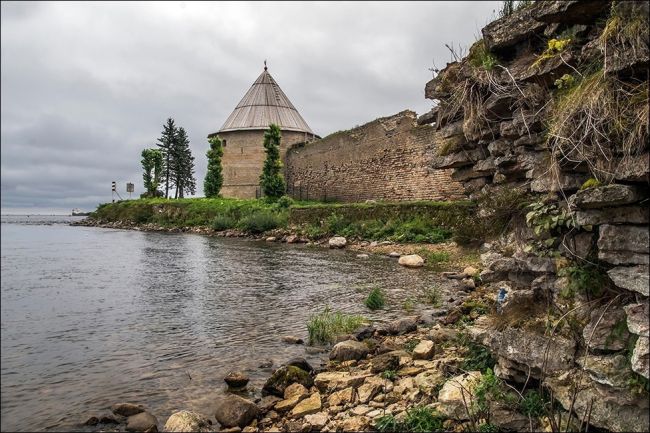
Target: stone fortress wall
{"x": 387, "y": 159}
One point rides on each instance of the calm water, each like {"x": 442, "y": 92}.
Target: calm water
{"x": 91, "y": 317}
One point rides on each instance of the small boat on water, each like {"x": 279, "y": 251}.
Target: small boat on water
{"x": 77, "y": 212}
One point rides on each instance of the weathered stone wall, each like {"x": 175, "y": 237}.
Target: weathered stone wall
{"x": 243, "y": 158}
{"x": 589, "y": 258}
{"x": 387, "y": 159}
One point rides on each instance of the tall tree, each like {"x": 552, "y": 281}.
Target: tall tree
{"x": 182, "y": 165}
{"x": 214, "y": 177}
{"x": 271, "y": 180}
{"x": 152, "y": 161}
{"x": 166, "y": 143}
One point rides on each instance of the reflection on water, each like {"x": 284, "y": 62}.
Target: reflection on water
{"x": 93, "y": 316}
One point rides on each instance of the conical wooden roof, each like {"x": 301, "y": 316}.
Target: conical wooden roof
{"x": 263, "y": 104}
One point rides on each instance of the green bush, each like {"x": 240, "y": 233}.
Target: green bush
{"x": 587, "y": 279}
{"x": 375, "y": 299}
{"x": 223, "y": 222}
{"x": 409, "y": 346}
{"x": 532, "y": 404}
{"x": 284, "y": 202}
{"x": 417, "y": 419}
{"x": 326, "y": 326}
{"x": 389, "y": 374}
{"x": 260, "y": 222}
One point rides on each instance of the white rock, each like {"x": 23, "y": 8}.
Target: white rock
{"x": 337, "y": 242}
{"x": 455, "y": 393}
{"x": 411, "y": 261}
{"x": 424, "y": 350}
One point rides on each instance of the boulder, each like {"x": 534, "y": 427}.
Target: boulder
{"x": 607, "y": 329}
{"x": 337, "y": 242}
{"x": 300, "y": 363}
{"x": 142, "y": 422}
{"x": 570, "y": 11}
{"x": 607, "y": 195}
{"x": 471, "y": 271}
{"x": 640, "y": 357}
{"x": 611, "y": 370}
{"x": 307, "y": 406}
{"x": 610, "y": 408}
{"x": 363, "y": 332}
{"x": 186, "y": 421}
{"x": 292, "y": 239}
{"x": 93, "y": 420}
{"x": 234, "y": 411}
{"x": 634, "y": 278}
{"x": 637, "y": 318}
{"x": 126, "y": 409}
{"x": 349, "y": 350}
{"x": 429, "y": 380}
{"x": 611, "y": 215}
{"x": 411, "y": 261}
{"x": 236, "y": 379}
{"x": 285, "y": 376}
{"x": 384, "y": 362}
{"x": 456, "y": 393}
{"x": 623, "y": 238}
{"x": 526, "y": 346}
{"x": 334, "y": 380}
{"x": 424, "y": 350}
{"x": 402, "y": 326}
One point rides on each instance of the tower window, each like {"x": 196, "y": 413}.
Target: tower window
{"x": 223, "y": 142}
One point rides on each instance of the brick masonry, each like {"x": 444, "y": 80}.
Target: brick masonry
{"x": 387, "y": 159}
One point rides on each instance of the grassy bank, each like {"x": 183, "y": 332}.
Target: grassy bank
{"x": 415, "y": 222}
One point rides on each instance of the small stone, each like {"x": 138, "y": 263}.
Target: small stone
{"x": 126, "y": 409}
{"x": 271, "y": 239}
{"x": 403, "y": 326}
{"x": 267, "y": 402}
{"x": 355, "y": 424}
{"x": 108, "y": 419}
{"x": 285, "y": 376}
{"x": 369, "y": 389}
{"x": 383, "y": 362}
{"x": 292, "y": 239}
{"x": 361, "y": 410}
{"x": 341, "y": 398}
{"x": 637, "y": 318}
{"x": 266, "y": 364}
{"x": 307, "y": 406}
{"x": 291, "y": 339}
{"x": 287, "y": 404}
{"x": 234, "y": 411}
{"x": 362, "y": 256}
{"x": 317, "y": 420}
{"x": 186, "y": 421}
{"x": 394, "y": 255}
{"x": 411, "y": 261}
{"x": 337, "y": 242}
{"x": 93, "y": 420}
{"x": 236, "y": 379}
{"x": 471, "y": 271}
{"x": 296, "y": 389}
{"x": 641, "y": 357}
{"x": 142, "y": 422}
{"x": 468, "y": 284}
{"x": 424, "y": 350}
{"x": 455, "y": 393}
{"x": 349, "y": 350}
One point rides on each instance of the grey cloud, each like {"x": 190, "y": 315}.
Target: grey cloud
{"x": 85, "y": 86}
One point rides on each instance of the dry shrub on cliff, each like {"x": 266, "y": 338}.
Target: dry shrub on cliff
{"x": 626, "y": 31}
{"x": 602, "y": 121}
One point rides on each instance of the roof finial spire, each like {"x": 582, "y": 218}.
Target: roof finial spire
{"x": 265, "y": 68}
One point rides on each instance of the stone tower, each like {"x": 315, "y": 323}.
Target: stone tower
{"x": 243, "y": 135}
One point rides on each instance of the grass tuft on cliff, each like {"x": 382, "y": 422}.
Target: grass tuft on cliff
{"x": 324, "y": 327}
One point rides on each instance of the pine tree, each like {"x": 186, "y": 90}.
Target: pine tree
{"x": 165, "y": 143}
{"x": 152, "y": 161}
{"x": 271, "y": 180}
{"x": 182, "y": 165}
{"x": 214, "y": 177}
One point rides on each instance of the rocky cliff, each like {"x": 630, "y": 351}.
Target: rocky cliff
{"x": 548, "y": 113}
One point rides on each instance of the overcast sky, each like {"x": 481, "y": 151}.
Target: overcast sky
{"x": 87, "y": 86}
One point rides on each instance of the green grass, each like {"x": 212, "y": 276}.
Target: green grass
{"x": 409, "y": 346}
{"x": 432, "y": 296}
{"x": 375, "y": 299}
{"x": 389, "y": 374}
{"x": 223, "y": 222}
{"x": 532, "y": 404}
{"x": 417, "y": 419}
{"x": 408, "y": 305}
{"x": 262, "y": 221}
{"x": 324, "y": 327}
